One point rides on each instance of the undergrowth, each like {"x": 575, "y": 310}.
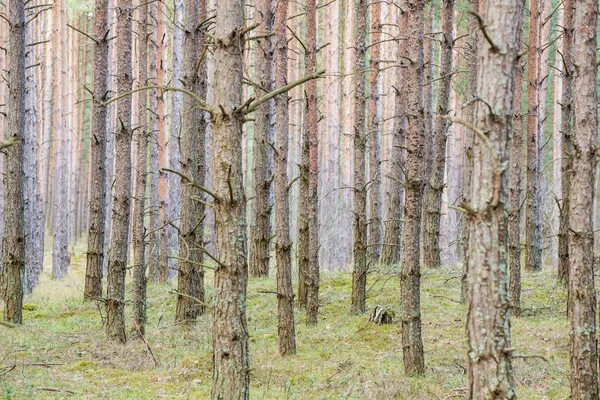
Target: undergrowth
{"x": 60, "y": 351}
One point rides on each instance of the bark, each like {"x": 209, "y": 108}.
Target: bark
{"x": 139, "y": 200}
{"x": 283, "y": 244}
{"x": 47, "y": 122}
{"x": 556, "y": 137}
{"x": 192, "y": 211}
{"x": 488, "y": 300}
{"x": 34, "y": 224}
{"x": 162, "y": 142}
{"x": 374, "y": 135}
{"x": 231, "y": 379}
{"x": 566, "y": 142}
{"x": 432, "y": 197}
{"x": 514, "y": 190}
{"x": 410, "y": 276}
{"x": 533, "y": 220}
{"x": 117, "y": 263}
{"x": 582, "y": 294}
{"x": 60, "y": 250}
{"x": 428, "y": 93}
{"x": 153, "y": 240}
{"x": 173, "y": 206}
{"x": 259, "y": 232}
{"x": 95, "y": 245}
{"x": 394, "y": 195}
{"x": 359, "y": 251}
{"x": 311, "y": 134}
{"x": 110, "y": 143}
{"x": 13, "y": 242}
{"x": 473, "y": 48}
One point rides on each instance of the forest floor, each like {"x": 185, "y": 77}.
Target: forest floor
{"x": 60, "y": 351}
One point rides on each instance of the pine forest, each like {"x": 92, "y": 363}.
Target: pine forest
{"x": 299, "y": 199}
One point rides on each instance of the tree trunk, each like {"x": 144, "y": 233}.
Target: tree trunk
{"x": 473, "y": 48}
{"x": 432, "y": 198}
{"x": 117, "y": 263}
{"x": 428, "y": 92}
{"x": 394, "y": 195}
{"x": 309, "y": 295}
{"x": 34, "y": 226}
{"x": 173, "y": 205}
{"x": 488, "y": 313}
{"x": 259, "y": 232}
{"x": 60, "y": 250}
{"x": 13, "y": 243}
{"x": 192, "y": 211}
{"x": 582, "y": 294}
{"x": 374, "y": 136}
{"x": 359, "y": 251}
{"x": 95, "y": 248}
{"x": 514, "y": 189}
{"x": 566, "y": 143}
{"x": 139, "y": 200}
{"x": 153, "y": 239}
{"x": 283, "y": 244}
{"x": 533, "y": 223}
{"x": 162, "y": 141}
{"x": 231, "y": 378}
{"x": 410, "y": 276}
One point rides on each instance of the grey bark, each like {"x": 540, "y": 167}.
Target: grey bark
{"x": 13, "y": 241}
{"x": 95, "y": 245}
{"x": 488, "y": 301}
{"x": 231, "y": 374}
{"x": 410, "y": 276}
{"x": 117, "y": 263}
{"x": 432, "y": 197}
{"x": 359, "y": 248}
{"x": 259, "y": 229}
{"x": 283, "y": 244}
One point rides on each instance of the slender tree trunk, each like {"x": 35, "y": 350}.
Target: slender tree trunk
{"x": 60, "y": 248}
{"x": 45, "y": 154}
{"x": 283, "y": 244}
{"x": 374, "y": 136}
{"x": 173, "y": 206}
{"x": 556, "y": 134}
{"x": 566, "y": 131}
{"x": 582, "y": 294}
{"x": 514, "y": 190}
{"x": 110, "y": 141}
{"x": 428, "y": 92}
{"x": 359, "y": 251}
{"x": 309, "y": 293}
{"x": 95, "y": 247}
{"x": 153, "y": 239}
{"x": 488, "y": 312}
{"x": 191, "y": 211}
{"x": 410, "y": 276}
{"x": 117, "y": 263}
{"x": 139, "y": 200}
{"x": 13, "y": 242}
{"x": 34, "y": 252}
{"x": 259, "y": 232}
{"x": 432, "y": 198}
{"x": 473, "y": 48}
{"x": 231, "y": 374}
{"x": 161, "y": 111}
{"x": 533, "y": 227}
{"x": 394, "y": 196}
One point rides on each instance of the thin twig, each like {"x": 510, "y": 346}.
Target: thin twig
{"x": 150, "y": 352}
